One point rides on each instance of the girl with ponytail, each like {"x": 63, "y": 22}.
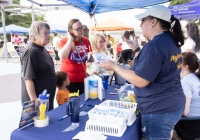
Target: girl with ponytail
{"x": 189, "y": 129}
{"x": 191, "y": 84}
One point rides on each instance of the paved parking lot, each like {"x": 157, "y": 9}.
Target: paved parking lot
{"x": 10, "y": 105}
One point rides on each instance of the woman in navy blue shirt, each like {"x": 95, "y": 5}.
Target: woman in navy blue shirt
{"x": 156, "y": 73}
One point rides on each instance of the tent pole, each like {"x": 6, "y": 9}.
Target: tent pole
{"x": 91, "y": 23}
{"x": 33, "y": 16}
{"x": 11, "y": 37}
{"x": 4, "y": 34}
{"x": 90, "y": 32}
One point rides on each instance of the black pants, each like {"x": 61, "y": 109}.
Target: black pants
{"x": 56, "y": 55}
{"x": 126, "y": 55}
{"x": 75, "y": 86}
{"x": 188, "y": 129}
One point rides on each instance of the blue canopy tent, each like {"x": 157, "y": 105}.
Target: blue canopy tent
{"x": 99, "y": 6}
{"x": 57, "y": 28}
{"x": 14, "y": 29}
{"x": 93, "y": 7}
{"x": 186, "y": 11}
{"x": 11, "y": 29}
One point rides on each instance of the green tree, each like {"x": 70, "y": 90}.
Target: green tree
{"x": 21, "y": 19}
{"x": 16, "y": 1}
{"x": 176, "y": 2}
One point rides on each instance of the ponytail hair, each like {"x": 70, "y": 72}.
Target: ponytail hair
{"x": 177, "y": 31}
{"x": 127, "y": 35}
{"x": 190, "y": 59}
{"x": 193, "y": 32}
{"x": 175, "y": 28}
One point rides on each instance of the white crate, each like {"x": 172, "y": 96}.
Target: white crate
{"x": 131, "y": 107}
{"x": 103, "y": 118}
{"x": 105, "y": 128}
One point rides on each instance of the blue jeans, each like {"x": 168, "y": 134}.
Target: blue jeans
{"x": 159, "y": 126}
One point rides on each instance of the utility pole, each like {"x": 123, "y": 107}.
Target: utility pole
{"x": 33, "y": 15}
{"x": 4, "y": 34}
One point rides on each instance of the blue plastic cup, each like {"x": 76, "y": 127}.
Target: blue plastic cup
{"x": 105, "y": 84}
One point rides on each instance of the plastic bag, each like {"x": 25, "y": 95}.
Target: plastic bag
{"x": 126, "y": 93}
{"x": 72, "y": 127}
{"x": 83, "y": 113}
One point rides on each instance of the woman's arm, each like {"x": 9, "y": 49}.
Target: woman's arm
{"x": 129, "y": 75}
{"x": 187, "y": 90}
{"x": 65, "y": 50}
{"x": 31, "y": 89}
{"x": 187, "y": 106}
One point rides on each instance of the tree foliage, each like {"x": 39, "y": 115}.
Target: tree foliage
{"x": 176, "y": 2}
{"x": 21, "y": 19}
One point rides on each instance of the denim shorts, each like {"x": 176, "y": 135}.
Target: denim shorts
{"x": 159, "y": 126}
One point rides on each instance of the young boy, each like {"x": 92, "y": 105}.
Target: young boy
{"x": 62, "y": 95}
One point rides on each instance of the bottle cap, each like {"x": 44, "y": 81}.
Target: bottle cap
{"x": 74, "y": 94}
{"x": 44, "y": 95}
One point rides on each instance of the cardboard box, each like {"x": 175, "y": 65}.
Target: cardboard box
{"x": 86, "y": 81}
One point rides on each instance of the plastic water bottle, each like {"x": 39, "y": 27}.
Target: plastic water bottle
{"x": 73, "y": 107}
{"x": 43, "y": 105}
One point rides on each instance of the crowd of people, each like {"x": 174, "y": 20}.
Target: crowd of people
{"x": 19, "y": 40}
{"x": 162, "y": 97}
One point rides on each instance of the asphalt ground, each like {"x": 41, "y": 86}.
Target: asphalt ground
{"x": 10, "y": 80}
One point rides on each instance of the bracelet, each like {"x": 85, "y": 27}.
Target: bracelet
{"x": 117, "y": 69}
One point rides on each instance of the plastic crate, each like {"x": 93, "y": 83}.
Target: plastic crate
{"x": 105, "y": 128}
{"x": 130, "y": 107}
{"x": 101, "y": 114}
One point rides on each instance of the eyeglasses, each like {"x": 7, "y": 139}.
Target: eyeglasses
{"x": 79, "y": 29}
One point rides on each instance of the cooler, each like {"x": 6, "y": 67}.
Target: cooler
{"x": 118, "y": 79}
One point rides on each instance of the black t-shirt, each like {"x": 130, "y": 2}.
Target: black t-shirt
{"x": 37, "y": 65}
